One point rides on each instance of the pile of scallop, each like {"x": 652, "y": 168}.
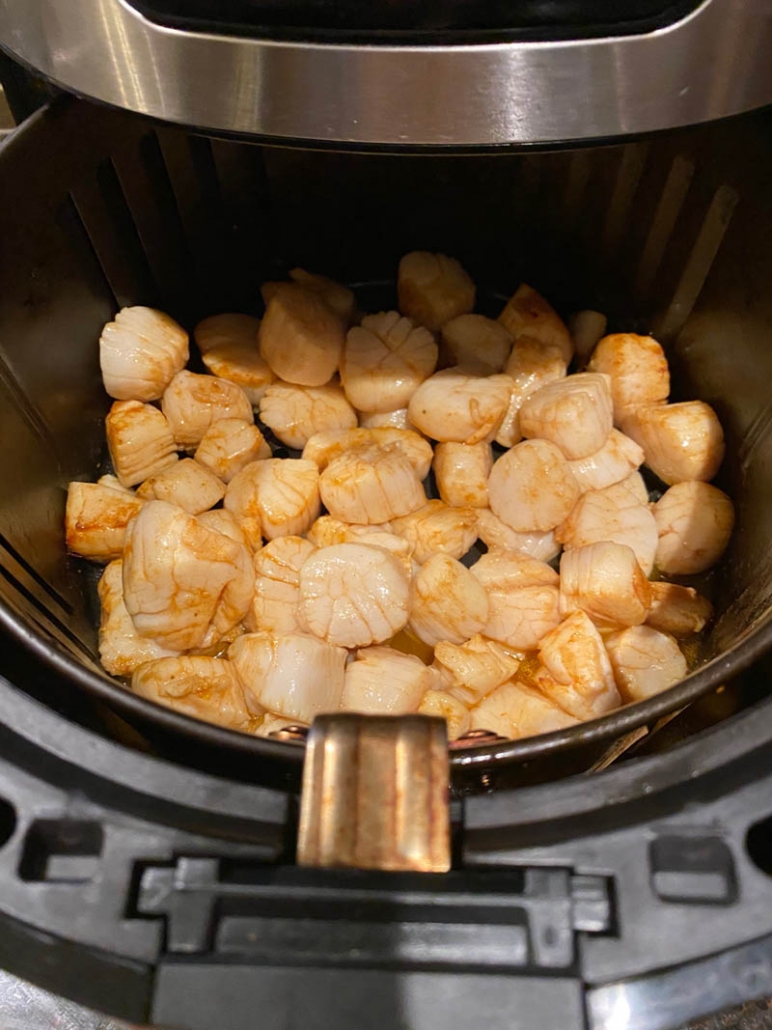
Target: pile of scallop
{"x": 255, "y": 590}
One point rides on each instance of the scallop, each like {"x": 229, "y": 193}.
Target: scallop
{"x": 229, "y": 445}
{"x": 369, "y": 485}
{"x": 531, "y": 487}
{"x": 475, "y": 667}
{"x": 574, "y": 413}
{"x": 382, "y": 681}
{"x": 460, "y": 405}
{"x": 222, "y": 521}
{"x": 680, "y": 442}
{"x": 384, "y": 360}
{"x": 579, "y": 676}
{"x": 277, "y": 585}
{"x": 587, "y": 329}
{"x": 204, "y": 688}
{"x": 242, "y": 364}
{"x": 433, "y": 288}
{"x": 185, "y": 585}
{"x": 140, "y": 352}
{"x": 139, "y": 440}
{"x": 475, "y": 339}
{"x": 523, "y": 597}
{"x": 638, "y": 370}
{"x": 327, "y": 531}
{"x": 226, "y": 329}
{"x": 121, "y": 648}
{"x": 447, "y": 602}
{"x": 96, "y": 518}
{"x": 606, "y": 581}
{"x": 296, "y": 413}
{"x": 291, "y": 674}
{"x": 495, "y": 533}
{"x": 300, "y": 337}
{"x": 186, "y": 484}
{"x": 615, "y": 514}
{"x": 438, "y": 528}
{"x": 531, "y": 365}
{"x": 694, "y": 521}
{"x": 275, "y": 497}
{"x": 611, "y": 463}
{"x": 385, "y": 419}
{"x": 515, "y": 710}
{"x": 336, "y": 296}
{"x": 440, "y": 705}
{"x": 323, "y": 448}
{"x": 353, "y": 595}
{"x": 461, "y": 472}
{"x": 527, "y": 313}
{"x": 645, "y": 662}
{"x": 192, "y": 403}
{"x": 678, "y": 610}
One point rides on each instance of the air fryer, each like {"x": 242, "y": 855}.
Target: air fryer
{"x": 148, "y": 863}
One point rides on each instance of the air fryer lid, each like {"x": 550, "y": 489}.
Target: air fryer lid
{"x": 464, "y": 75}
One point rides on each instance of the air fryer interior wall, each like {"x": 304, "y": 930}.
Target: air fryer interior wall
{"x": 668, "y": 235}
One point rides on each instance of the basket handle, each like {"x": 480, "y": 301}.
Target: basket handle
{"x": 375, "y": 794}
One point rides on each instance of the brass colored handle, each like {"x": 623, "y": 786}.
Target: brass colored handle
{"x": 375, "y": 794}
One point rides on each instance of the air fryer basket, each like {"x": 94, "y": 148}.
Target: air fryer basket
{"x": 103, "y": 209}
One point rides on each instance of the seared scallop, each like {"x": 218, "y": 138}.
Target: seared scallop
{"x": 606, "y": 581}
{"x": 436, "y": 528}
{"x": 680, "y": 441}
{"x": 277, "y": 585}
{"x": 461, "y": 471}
{"x": 192, "y": 403}
{"x": 323, "y": 448}
{"x": 353, "y": 595}
{"x": 139, "y": 440}
{"x": 140, "y": 352}
{"x": 95, "y": 519}
{"x": 229, "y": 445}
{"x": 296, "y": 413}
{"x": 275, "y": 497}
{"x": 204, "y": 688}
{"x": 433, "y": 288}
{"x": 578, "y": 676}
{"x": 441, "y": 705}
{"x": 447, "y": 602}
{"x": 677, "y": 610}
{"x": 460, "y": 405}
{"x": 186, "y": 484}
{"x": 645, "y": 662}
{"x": 382, "y": 681}
{"x": 694, "y": 521}
{"x": 300, "y": 337}
{"x": 370, "y": 485}
{"x": 475, "y": 339}
{"x": 531, "y": 487}
{"x": 515, "y": 710}
{"x": 531, "y": 365}
{"x": 575, "y": 413}
{"x": 637, "y": 368}
{"x": 476, "y": 667}
{"x": 121, "y": 648}
{"x": 294, "y": 675}
{"x": 185, "y": 585}
{"x": 384, "y": 360}
{"x": 527, "y": 313}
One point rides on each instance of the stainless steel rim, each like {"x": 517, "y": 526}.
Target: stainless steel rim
{"x": 711, "y": 64}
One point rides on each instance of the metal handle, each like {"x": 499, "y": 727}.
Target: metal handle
{"x": 375, "y": 794}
